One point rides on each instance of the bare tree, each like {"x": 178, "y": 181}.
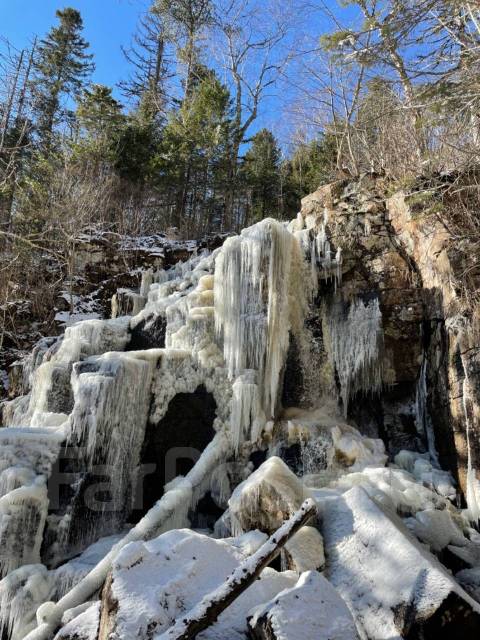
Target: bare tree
{"x": 148, "y": 58}
{"x": 251, "y": 46}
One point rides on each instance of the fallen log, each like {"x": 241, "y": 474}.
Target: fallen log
{"x": 211, "y": 606}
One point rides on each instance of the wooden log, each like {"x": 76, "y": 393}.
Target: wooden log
{"x": 212, "y": 605}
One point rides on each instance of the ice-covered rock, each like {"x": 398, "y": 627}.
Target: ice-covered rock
{"x": 395, "y": 588}
{"x": 394, "y": 488}
{"x": 438, "y": 529}
{"x": 84, "y": 625}
{"x": 21, "y": 593}
{"x": 312, "y": 609}
{"x": 266, "y": 498}
{"x": 470, "y": 581}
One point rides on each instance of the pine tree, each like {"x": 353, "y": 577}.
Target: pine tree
{"x": 185, "y": 20}
{"x": 61, "y": 68}
{"x": 261, "y": 171}
{"x": 195, "y": 144}
{"x": 100, "y": 120}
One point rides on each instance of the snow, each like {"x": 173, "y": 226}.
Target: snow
{"x": 244, "y": 572}
{"x": 169, "y": 513}
{"x": 83, "y": 626}
{"x": 438, "y": 529}
{"x": 378, "y": 568}
{"x": 267, "y": 497}
{"x": 229, "y": 317}
{"x": 312, "y": 609}
{"x": 157, "y": 582}
{"x": 306, "y": 550}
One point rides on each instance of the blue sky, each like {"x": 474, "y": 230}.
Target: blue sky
{"x": 108, "y": 25}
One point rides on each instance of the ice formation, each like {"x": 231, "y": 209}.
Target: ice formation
{"x": 473, "y": 484}
{"x": 356, "y": 348}
{"x": 423, "y": 420}
{"x": 255, "y": 275}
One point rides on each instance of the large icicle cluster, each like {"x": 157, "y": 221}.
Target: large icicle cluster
{"x": 254, "y": 283}
{"x": 356, "y": 347}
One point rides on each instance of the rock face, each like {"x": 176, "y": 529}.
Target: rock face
{"x": 396, "y": 250}
{"x": 454, "y": 339}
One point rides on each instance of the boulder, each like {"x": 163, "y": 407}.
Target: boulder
{"x": 394, "y": 587}
{"x": 81, "y": 623}
{"x": 304, "y": 551}
{"x": 311, "y": 610}
{"x": 470, "y": 581}
{"x": 267, "y": 498}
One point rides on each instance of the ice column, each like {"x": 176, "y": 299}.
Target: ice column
{"x": 253, "y": 311}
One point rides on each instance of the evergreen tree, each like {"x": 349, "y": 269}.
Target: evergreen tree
{"x": 185, "y": 20}
{"x": 60, "y": 70}
{"x": 195, "y": 144}
{"x": 100, "y": 119}
{"x": 261, "y": 172}
{"x": 311, "y": 164}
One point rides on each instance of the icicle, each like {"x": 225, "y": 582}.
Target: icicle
{"x": 313, "y": 267}
{"x": 21, "y": 592}
{"x": 356, "y": 348}
{"x": 112, "y": 396}
{"x": 423, "y": 420}
{"x": 22, "y": 519}
{"x": 253, "y": 274}
{"x": 339, "y": 262}
{"x": 147, "y": 281}
{"x": 473, "y": 484}
{"x": 246, "y": 407}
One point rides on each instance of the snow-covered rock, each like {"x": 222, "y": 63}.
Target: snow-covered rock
{"x": 394, "y": 586}
{"x": 266, "y": 498}
{"x": 152, "y": 584}
{"x": 438, "y": 529}
{"x": 305, "y": 550}
{"x": 84, "y": 625}
{"x": 311, "y": 610}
